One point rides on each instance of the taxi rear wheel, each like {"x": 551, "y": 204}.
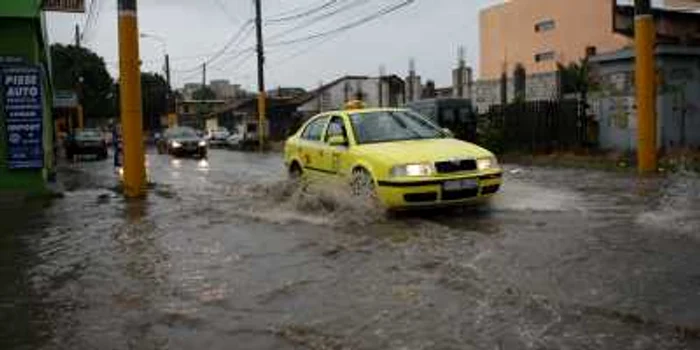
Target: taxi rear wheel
{"x": 362, "y": 183}
{"x": 295, "y": 171}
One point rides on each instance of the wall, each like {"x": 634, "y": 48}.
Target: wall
{"x": 543, "y": 86}
{"x": 678, "y": 99}
{"x": 508, "y": 36}
{"x": 335, "y": 96}
{"x": 22, "y": 37}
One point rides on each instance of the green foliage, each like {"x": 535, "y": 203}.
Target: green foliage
{"x": 204, "y": 93}
{"x": 576, "y": 77}
{"x": 490, "y": 135}
{"x": 69, "y": 64}
{"x": 154, "y": 94}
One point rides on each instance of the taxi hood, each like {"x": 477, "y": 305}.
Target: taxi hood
{"x": 419, "y": 151}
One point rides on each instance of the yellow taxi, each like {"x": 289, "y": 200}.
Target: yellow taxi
{"x": 395, "y": 154}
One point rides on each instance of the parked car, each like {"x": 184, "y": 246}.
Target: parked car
{"x": 248, "y": 135}
{"x": 456, "y": 114}
{"x": 86, "y": 142}
{"x": 235, "y": 141}
{"x": 182, "y": 141}
{"x": 395, "y": 155}
{"x": 218, "y": 137}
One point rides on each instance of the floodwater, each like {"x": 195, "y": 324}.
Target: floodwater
{"x": 225, "y": 254}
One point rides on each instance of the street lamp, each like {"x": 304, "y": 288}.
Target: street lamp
{"x": 164, "y": 47}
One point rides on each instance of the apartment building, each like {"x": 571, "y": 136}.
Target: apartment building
{"x": 537, "y": 34}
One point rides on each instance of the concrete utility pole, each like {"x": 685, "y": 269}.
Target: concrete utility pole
{"x": 130, "y": 94}
{"x": 380, "y": 85}
{"x": 645, "y": 73}
{"x": 411, "y": 80}
{"x": 79, "y": 85}
{"x": 77, "y": 35}
{"x": 262, "y": 105}
{"x": 204, "y": 75}
{"x": 167, "y": 71}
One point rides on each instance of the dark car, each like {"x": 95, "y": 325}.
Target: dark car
{"x": 182, "y": 141}
{"x": 86, "y": 142}
{"x": 456, "y": 114}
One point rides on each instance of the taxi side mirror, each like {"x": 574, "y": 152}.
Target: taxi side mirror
{"x": 338, "y": 140}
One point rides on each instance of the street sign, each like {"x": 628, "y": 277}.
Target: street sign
{"x": 22, "y": 97}
{"x": 65, "y": 99}
{"x": 75, "y": 6}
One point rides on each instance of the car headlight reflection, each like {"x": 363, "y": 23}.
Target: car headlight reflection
{"x": 176, "y": 144}
{"x": 487, "y": 163}
{"x": 412, "y": 170}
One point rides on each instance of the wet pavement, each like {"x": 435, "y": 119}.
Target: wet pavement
{"x": 225, "y": 254}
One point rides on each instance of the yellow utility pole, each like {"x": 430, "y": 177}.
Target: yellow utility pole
{"x": 130, "y": 93}
{"x": 645, "y": 73}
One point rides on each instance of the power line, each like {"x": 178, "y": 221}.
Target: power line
{"x": 306, "y": 13}
{"x": 91, "y": 19}
{"x": 219, "y": 53}
{"x": 321, "y": 17}
{"x": 233, "y": 19}
{"x": 346, "y": 27}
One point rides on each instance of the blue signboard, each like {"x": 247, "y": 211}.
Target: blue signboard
{"x": 22, "y": 99}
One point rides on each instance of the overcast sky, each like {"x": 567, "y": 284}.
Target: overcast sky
{"x": 431, "y": 31}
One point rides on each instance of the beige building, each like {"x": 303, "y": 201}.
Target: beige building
{"x": 540, "y": 33}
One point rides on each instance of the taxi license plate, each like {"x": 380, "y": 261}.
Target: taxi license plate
{"x": 458, "y": 185}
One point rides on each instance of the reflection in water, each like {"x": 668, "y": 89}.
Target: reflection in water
{"x": 176, "y": 163}
{"x": 142, "y": 258}
{"x": 203, "y": 165}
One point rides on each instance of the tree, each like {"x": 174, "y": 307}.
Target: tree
{"x": 71, "y": 63}
{"x": 575, "y": 77}
{"x": 154, "y": 97}
{"x": 519, "y": 83}
{"x": 204, "y": 93}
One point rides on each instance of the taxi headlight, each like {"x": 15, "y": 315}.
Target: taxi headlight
{"x": 176, "y": 144}
{"x": 424, "y": 169}
{"x": 487, "y": 163}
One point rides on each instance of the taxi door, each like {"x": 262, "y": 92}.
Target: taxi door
{"x": 311, "y": 146}
{"x": 334, "y": 156}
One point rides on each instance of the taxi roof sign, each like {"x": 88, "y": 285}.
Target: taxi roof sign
{"x": 354, "y": 104}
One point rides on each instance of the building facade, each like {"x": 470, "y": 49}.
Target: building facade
{"x": 538, "y": 34}
{"x": 386, "y": 91}
{"x": 613, "y": 104}
{"x": 26, "y": 122}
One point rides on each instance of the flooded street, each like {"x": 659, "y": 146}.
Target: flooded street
{"x": 225, "y": 254}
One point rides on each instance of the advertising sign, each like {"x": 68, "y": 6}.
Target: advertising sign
{"x": 65, "y": 99}
{"x": 22, "y": 101}
{"x": 64, "y": 5}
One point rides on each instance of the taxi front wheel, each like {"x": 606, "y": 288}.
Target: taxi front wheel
{"x": 362, "y": 183}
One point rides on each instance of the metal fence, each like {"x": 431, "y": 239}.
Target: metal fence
{"x": 533, "y": 126}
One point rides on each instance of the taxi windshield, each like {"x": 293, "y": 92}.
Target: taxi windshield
{"x": 387, "y": 126}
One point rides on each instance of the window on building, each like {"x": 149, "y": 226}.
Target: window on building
{"x": 544, "y": 56}
{"x": 544, "y": 26}
{"x": 591, "y": 51}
